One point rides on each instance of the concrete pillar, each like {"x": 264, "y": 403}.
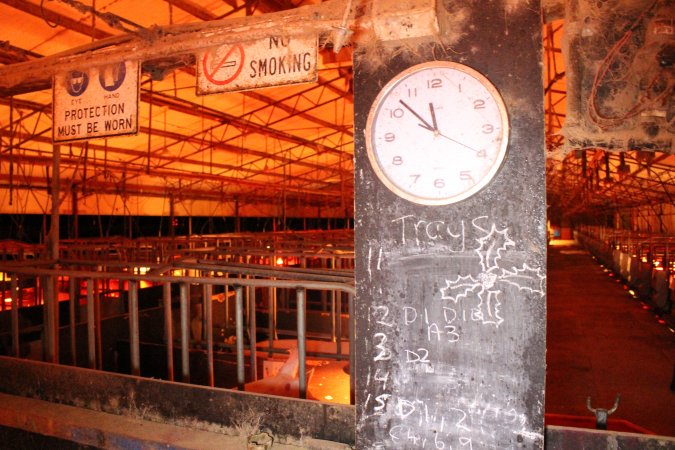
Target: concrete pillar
{"x": 450, "y": 307}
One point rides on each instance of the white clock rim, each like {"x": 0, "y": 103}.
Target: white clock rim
{"x": 485, "y": 180}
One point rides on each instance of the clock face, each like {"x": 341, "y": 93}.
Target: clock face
{"x": 437, "y": 133}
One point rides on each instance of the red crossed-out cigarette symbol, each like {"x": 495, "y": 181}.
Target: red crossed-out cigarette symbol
{"x": 227, "y": 68}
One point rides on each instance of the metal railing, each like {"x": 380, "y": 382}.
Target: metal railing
{"x": 241, "y": 280}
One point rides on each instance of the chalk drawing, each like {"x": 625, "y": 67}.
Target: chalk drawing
{"x": 487, "y": 285}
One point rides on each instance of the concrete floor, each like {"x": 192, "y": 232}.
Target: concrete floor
{"x": 602, "y": 342}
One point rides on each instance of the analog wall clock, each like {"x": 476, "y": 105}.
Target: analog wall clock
{"x": 437, "y": 133}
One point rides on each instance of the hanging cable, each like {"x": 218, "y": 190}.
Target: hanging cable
{"x": 44, "y": 16}
{"x": 604, "y": 121}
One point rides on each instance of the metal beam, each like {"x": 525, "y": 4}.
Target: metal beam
{"x": 175, "y": 40}
{"x": 45, "y": 13}
{"x": 193, "y": 9}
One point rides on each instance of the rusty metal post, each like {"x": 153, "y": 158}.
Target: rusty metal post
{"x": 168, "y": 329}
{"x": 134, "y": 340}
{"x": 91, "y": 331}
{"x": 271, "y": 319}
{"x": 252, "y": 333}
{"x": 51, "y": 324}
{"x": 15, "y": 315}
{"x": 185, "y": 331}
{"x": 302, "y": 347}
{"x": 239, "y": 300}
{"x": 73, "y": 295}
{"x": 208, "y": 315}
{"x": 352, "y": 358}
{"x": 51, "y": 328}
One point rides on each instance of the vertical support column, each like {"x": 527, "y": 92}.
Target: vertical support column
{"x": 239, "y": 318}
{"x": 450, "y": 306}
{"x": 271, "y": 318}
{"x": 185, "y": 331}
{"x": 51, "y": 329}
{"x": 75, "y": 212}
{"x": 352, "y": 353}
{"x": 134, "y": 340}
{"x": 253, "y": 332}
{"x": 97, "y": 320}
{"x": 208, "y": 324}
{"x": 91, "y": 330}
{"x": 15, "y": 315}
{"x": 302, "y": 343}
{"x": 73, "y": 297}
{"x": 168, "y": 329}
{"x": 172, "y": 212}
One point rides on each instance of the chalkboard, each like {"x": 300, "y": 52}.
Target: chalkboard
{"x": 450, "y": 305}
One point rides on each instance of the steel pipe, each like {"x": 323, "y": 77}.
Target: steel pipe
{"x": 168, "y": 329}
{"x": 239, "y": 313}
{"x": 91, "y": 332}
{"x": 302, "y": 349}
{"x": 208, "y": 315}
{"x": 134, "y": 339}
{"x": 252, "y": 334}
{"x": 185, "y": 332}
{"x": 73, "y": 294}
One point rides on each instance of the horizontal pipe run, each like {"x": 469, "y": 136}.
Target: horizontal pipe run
{"x": 289, "y": 284}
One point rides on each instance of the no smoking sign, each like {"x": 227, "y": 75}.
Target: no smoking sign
{"x": 272, "y": 61}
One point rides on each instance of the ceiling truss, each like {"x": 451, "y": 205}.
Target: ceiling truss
{"x": 285, "y": 145}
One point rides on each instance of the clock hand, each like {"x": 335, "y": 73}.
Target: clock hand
{"x": 460, "y": 143}
{"x": 434, "y": 128}
{"x": 424, "y": 123}
{"x": 433, "y": 118}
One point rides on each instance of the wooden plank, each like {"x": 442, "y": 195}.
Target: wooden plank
{"x": 175, "y": 41}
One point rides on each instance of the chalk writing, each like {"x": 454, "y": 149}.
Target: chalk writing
{"x": 419, "y": 391}
{"x": 384, "y": 353}
{"x": 378, "y": 261}
{"x": 448, "y": 427}
{"x": 431, "y": 231}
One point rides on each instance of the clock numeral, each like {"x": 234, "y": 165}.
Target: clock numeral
{"x": 479, "y": 104}
{"x": 481, "y": 154}
{"x": 396, "y": 113}
{"x": 465, "y": 175}
{"x": 397, "y": 161}
{"x": 488, "y": 128}
{"x": 389, "y": 137}
{"x": 415, "y": 178}
{"x": 439, "y": 183}
{"x": 412, "y": 92}
{"x": 434, "y": 83}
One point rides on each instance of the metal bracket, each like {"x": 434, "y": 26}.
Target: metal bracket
{"x": 602, "y": 414}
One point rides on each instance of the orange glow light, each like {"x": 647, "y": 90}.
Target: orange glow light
{"x": 280, "y": 261}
